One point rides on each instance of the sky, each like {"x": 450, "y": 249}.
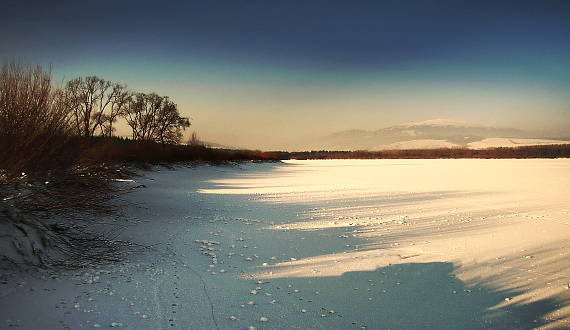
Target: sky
{"x": 263, "y": 74}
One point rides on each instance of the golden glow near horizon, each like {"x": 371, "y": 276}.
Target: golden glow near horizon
{"x": 275, "y": 119}
{"x": 283, "y": 109}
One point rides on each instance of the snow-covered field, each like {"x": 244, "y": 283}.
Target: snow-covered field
{"x": 343, "y": 244}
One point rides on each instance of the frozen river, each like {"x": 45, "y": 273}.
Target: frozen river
{"x": 335, "y": 244}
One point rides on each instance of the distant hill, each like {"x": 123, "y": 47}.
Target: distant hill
{"x": 436, "y": 133}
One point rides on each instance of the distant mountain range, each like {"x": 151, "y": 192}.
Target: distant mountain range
{"x": 436, "y": 133}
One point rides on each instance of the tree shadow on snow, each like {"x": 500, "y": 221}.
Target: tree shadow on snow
{"x": 418, "y": 296}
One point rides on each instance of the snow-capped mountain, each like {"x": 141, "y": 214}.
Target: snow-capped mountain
{"x": 435, "y": 133}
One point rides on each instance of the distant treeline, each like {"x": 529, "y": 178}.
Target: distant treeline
{"x": 539, "y": 151}
{"x": 115, "y": 149}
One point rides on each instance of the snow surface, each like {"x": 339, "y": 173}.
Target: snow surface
{"x": 338, "y": 244}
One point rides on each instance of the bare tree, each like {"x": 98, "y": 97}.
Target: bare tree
{"x": 88, "y": 98}
{"x": 170, "y": 123}
{"x": 140, "y": 113}
{"x": 155, "y": 118}
{"x": 120, "y": 98}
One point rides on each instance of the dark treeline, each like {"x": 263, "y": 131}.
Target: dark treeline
{"x": 115, "y": 149}
{"x": 539, "y": 151}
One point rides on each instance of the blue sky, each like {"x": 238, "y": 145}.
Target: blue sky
{"x": 252, "y": 71}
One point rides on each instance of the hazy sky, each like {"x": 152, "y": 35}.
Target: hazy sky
{"x": 264, "y": 73}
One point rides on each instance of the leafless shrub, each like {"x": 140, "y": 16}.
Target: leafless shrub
{"x": 194, "y": 141}
{"x": 34, "y": 120}
{"x": 59, "y": 223}
{"x": 27, "y": 241}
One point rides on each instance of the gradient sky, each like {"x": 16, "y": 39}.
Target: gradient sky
{"x": 266, "y": 73}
